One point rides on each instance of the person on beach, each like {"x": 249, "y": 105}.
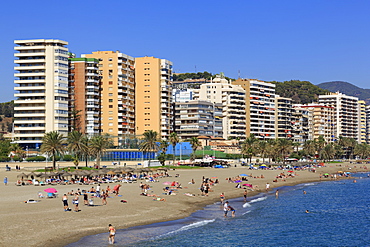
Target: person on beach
{"x": 104, "y": 197}
{"x": 245, "y": 195}
{"x": 222, "y": 197}
{"x": 112, "y": 233}
{"x": 6, "y": 181}
{"x": 75, "y": 201}
{"x": 267, "y": 187}
{"x": 86, "y": 201}
{"x": 277, "y": 194}
{"x": 232, "y": 210}
{"x": 226, "y": 208}
{"x": 65, "y": 202}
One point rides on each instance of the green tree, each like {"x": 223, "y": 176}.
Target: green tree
{"x": 262, "y": 148}
{"x": 284, "y": 147}
{"x": 249, "y": 147}
{"x": 75, "y": 145}
{"x": 98, "y": 144}
{"x": 328, "y": 152}
{"x": 53, "y": 143}
{"x": 174, "y": 139}
{"x": 195, "y": 144}
{"x": 362, "y": 150}
{"x": 149, "y": 143}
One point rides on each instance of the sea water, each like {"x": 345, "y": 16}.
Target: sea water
{"x": 338, "y": 216}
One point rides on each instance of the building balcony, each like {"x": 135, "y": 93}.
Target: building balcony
{"x": 29, "y": 61}
{"x": 19, "y": 75}
{"x": 20, "y": 68}
{"x": 29, "y": 54}
{"x": 28, "y": 135}
{"x": 30, "y": 95}
{"x": 30, "y": 101}
{"x": 30, "y": 88}
{"x": 29, "y": 108}
{"x": 29, "y": 81}
{"x": 30, "y": 128}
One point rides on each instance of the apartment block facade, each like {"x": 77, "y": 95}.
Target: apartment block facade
{"x": 117, "y": 94}
{"x": 198, "y": 118}
{"x": 260, "y": 107}
{"x": 232, "y": 99}
{"x": 153, "y": 96}
{"x": 284, "y": 118}
{"x": 362, "y": 121}
{"x": 84, "y": 95}
{"x": 41, "y": 91}
{"x": 346, "y": 112}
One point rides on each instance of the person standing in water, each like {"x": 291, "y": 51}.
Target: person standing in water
{"x": 222, "y": 197}
{"x": 277, "y": 194}
{"x": 112, "y": 233}
{"x": 245, "y": 195}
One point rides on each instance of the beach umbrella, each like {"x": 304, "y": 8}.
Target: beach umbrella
{"x": 243, "y": 175}
{"x": 249, "y": 185}
{"x": 290, "y": 171}
{"x": 167, "y": 183}
{"x": 22, "y": 175}
{"x": 50, "y": 190}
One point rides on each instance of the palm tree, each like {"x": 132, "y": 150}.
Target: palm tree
{"x": 271, "y": 151}
{"x": 174, "y": 139}
{"x": 86, "y": 151}
{"x": 53, "y": 143}
{"x": 309, "y": 148}
{"x": 362, "y": 150}
{"x": 149, "y": 142}
{"x": 195, "y": 144}
{"x": 75, "y": 145}
{"x": 16, "y": 149}
{"x": 163, "y": 146}
{"x": 319, "y": 144}
{"x": 262, "y": 148}
{"x": 98, "y": 145}
{"x": 284, "y": 146}
{"x": 328, "y": 152}
{"x": 249, "y": 146}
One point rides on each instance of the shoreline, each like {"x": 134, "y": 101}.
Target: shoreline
{"x": 68, "y": 227}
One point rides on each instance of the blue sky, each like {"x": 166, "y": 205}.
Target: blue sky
{"x": 317, "y": 41}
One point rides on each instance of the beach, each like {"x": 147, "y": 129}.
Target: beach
{"x": 46, "y": 223}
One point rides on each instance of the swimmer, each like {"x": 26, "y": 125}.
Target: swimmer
{"x": 307, "y": 211}
{"x": 355, "y": 181}
{"x": 245, "y": 195}
{"x": 277, "y": 193}
{"x": 304, "y": 192}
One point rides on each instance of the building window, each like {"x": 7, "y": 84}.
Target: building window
{"x": 110, "y": 65}
{"x": 147, "y": 85}
{"x": 110, "y": 89}
{"x": 110, "y": 82}
{"x": 110, "y": 112}
{"x": 110, "y": 124}
{"x": 110, "y": 100}
{"x": 110, "y": 118}
{"x": 110, "y": 59}
{"x": 110, "y": 106}
{"x": 110, "y": 130}
{"x": 110, "y": 94}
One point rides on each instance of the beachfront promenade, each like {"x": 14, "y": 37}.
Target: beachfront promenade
{"x": 46, "y": 223}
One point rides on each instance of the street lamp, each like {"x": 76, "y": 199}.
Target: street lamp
{"x": 27, "y": 152}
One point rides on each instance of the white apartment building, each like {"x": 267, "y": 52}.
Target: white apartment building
{"x": 260, "y": 107}
{"x": 232, "y": 99}
{"x": 302, "y": 124}
{"x": 41, "y": 90}
{"x": 346, "y": 114}
{"x": 362, "y": 121}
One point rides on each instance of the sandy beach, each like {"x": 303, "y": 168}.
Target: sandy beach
{"x": 46, "y": 223}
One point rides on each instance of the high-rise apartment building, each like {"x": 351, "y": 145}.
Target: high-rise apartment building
{"x": 283, "y": 116}
{"x": 260, "y": 107}
{"x": 346, "y": 114}
{"x": 362, "y": 121}
{"x": 84, "y": 95}
{"x": 232, "y": 99}
{"x": 367, "y": 110}
{"x": 153, "y": 96}
{"x": 117, "y": 94}
{"x": 302, "y": 124}
{"x": 198, "y": 118}
{"x": 323, "y": 121}
{"x": 41, "y": 90}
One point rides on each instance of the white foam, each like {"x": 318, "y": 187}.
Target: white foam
{"x": 309, "y": 184}
{"x": 246, "y": 205}
{"x": 258, "y": 199}
{"x": 247, "y": 212}
{"x": 187, "y": 227}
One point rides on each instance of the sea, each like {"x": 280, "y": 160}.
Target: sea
{"x": 338, "y": 215}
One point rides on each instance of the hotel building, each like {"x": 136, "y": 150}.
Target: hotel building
{"x": 153, "y": 96}
{"x": 84, "y": 95}
{"x": 117, "y": 94}
{"x": 345, "y": 114}
{"x": 41, "y": 103}
{"x": 260, "y": 107}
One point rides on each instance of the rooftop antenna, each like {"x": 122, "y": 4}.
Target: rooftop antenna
{"x": 238, "y": 74}
{"x": 195, "y": 68}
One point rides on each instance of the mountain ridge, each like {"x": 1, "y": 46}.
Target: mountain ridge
{"x": 347, "y": 88}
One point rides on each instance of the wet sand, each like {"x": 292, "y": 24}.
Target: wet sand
{"x": 46, "y": 224}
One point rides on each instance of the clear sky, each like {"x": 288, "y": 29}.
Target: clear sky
{"x": 316, "y": 40}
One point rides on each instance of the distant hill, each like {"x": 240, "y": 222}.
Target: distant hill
{"x": 348, "y": 89}
{"x": 301, "y": 92}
